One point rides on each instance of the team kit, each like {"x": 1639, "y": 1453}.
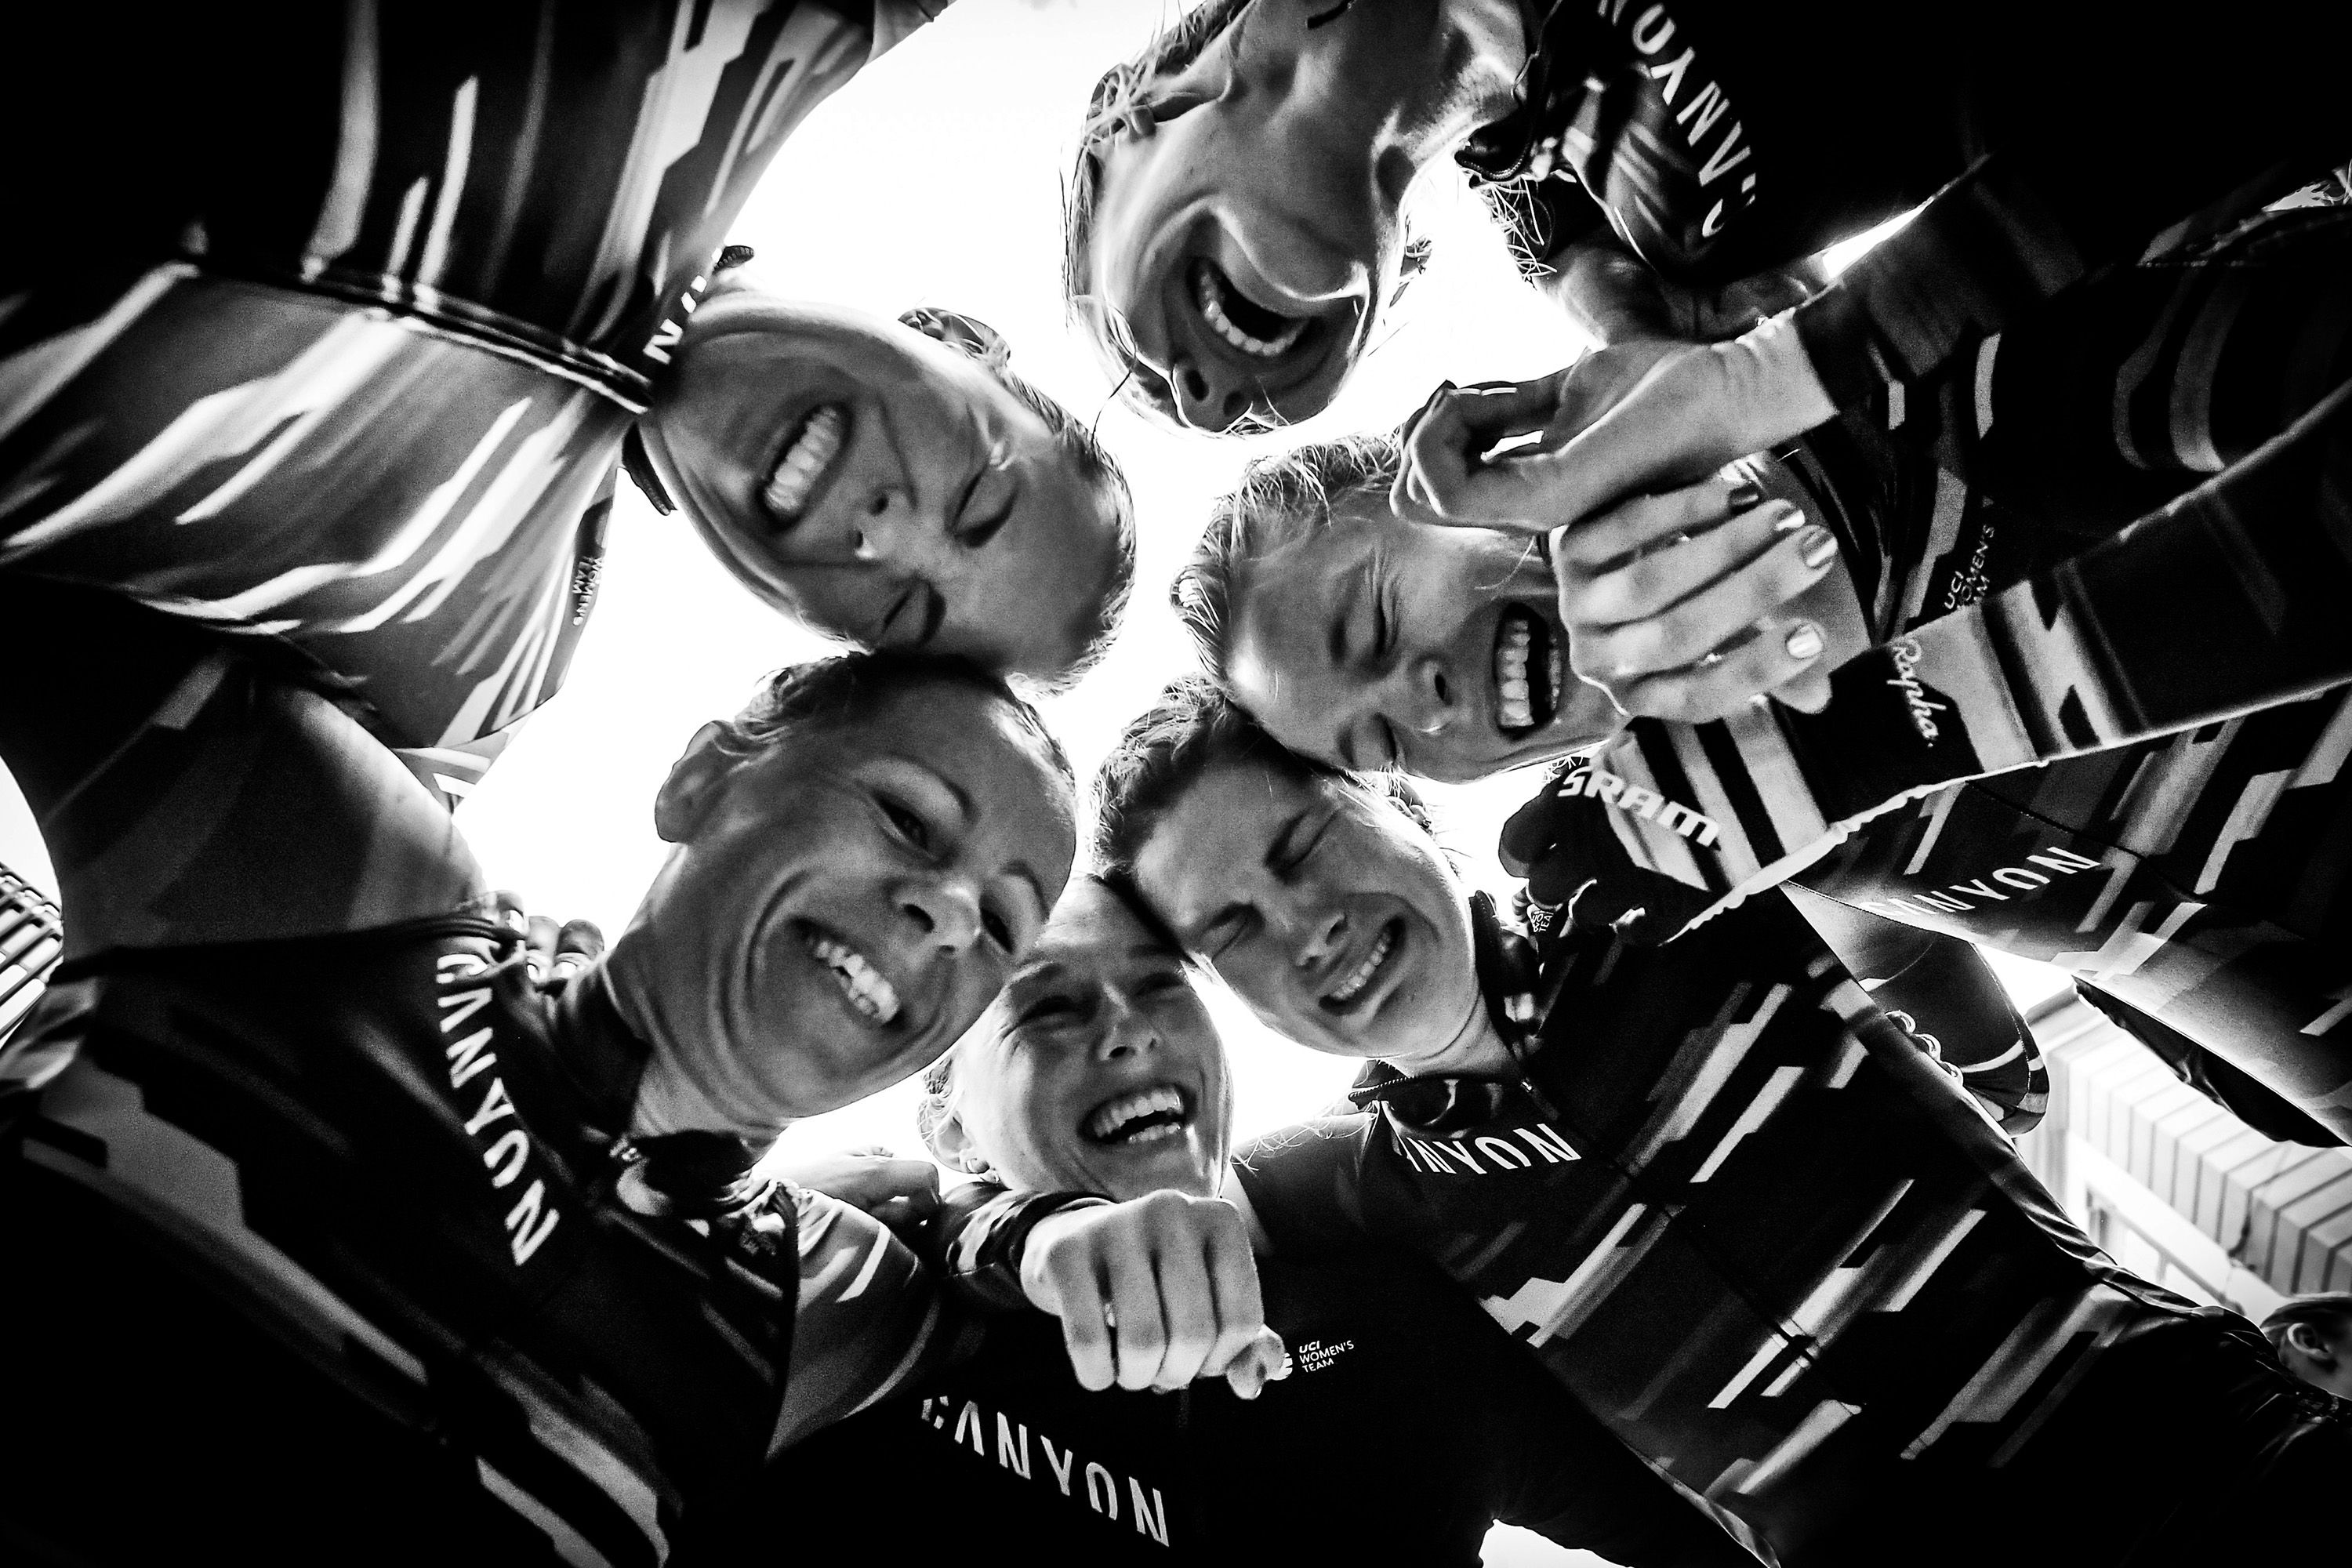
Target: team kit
{"x": 1844, "y": 624}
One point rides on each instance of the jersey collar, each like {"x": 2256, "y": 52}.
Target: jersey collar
{"x": 1449, "y": 1102}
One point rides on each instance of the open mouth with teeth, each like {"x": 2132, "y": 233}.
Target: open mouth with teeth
{"x": 872, "y": 997}
{"x": 1528, "y": 670}
{"x": 1240, "y": 321}
{"x": 806, "y": 459}
{"x": 1139, "y": 1116}
{"x": 1356, "y": 983}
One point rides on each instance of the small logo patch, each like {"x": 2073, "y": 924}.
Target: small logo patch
{"x": 1646, "y": 803}
{"x": 1906, "y": 655}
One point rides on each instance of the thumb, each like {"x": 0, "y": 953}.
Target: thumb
{"x": 1262, "y": 1360}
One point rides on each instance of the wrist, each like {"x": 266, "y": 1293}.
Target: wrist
{"x": 1033, "y": 1236}
{"x": 1789, "y": 391}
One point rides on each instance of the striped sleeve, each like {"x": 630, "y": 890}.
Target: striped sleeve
{"x": 974, "y": 1244}
{"x": 2228, "y": 601}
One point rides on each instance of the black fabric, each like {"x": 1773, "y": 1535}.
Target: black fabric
{"x": 150, "y": 1420}
{"x": 1409, "y": 1424}
{"x": 2266, "y": 1111}
{"x": 380, "y": 1150}
{"x": 1759, "y": 1236}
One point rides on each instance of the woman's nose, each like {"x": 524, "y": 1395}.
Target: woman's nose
{"x": 1322, "y": 934}
{"x": 1208, "y": 397}
{"x": 1127, "y": 1030}
{"x": 886, "y": 527}
{"x": 1429, "y": 696}
{"x": 946, "y": 911}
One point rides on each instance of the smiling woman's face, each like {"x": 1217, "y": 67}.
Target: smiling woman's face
{"x": 842, "y": 905}
{"x": 1331, "y": 915}
{"x": 880, "y": 486}
{"x": 1097, "y": 1069}
{"x": 1240, "y": 249}
{"x": 1376, "y": 642}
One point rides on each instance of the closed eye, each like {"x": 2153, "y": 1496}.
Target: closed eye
{"x": 1296, "y": 850}
{"x": 978, "y": 535}
{"x": 909, "y": 826}
{"x": 1227, "y": 928}
{"x": 1047, "y": 1008}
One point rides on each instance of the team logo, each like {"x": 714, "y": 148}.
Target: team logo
{"x": 1646, "y": 803}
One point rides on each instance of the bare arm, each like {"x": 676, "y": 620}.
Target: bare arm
{"x": 1614, "y": 295}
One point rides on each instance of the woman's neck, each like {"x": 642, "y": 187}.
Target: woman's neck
{"x": 1476, "y": 1047}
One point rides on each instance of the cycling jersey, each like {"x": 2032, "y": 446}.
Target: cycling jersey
{"x": 1754, "y": 1231}
{"x": 374, "y": 1179}
{"x": 2196, "y": 878}
{"x": 1748, "y": 1224}
{"x": 1407, "y": 1426}
{"x": 1720, "y": 140}
{"x": 333, "y": 318}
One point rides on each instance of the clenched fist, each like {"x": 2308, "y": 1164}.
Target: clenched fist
{"x": 1153, "y": 1293}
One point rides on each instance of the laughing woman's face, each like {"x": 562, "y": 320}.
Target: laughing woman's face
{"x": 1377, "y": 642}
{"x": 842, "y": 904}
{"x": 1239, "y": 250}
{"x": 876, "y": 484}
{"x": 1330, "y": 913}
{"x": 1097, "y": 1070}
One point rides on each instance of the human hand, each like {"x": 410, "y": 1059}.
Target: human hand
{"x": 899, "y": 1193}
{"x": 1710, "y": 314}
{"x": 1153, "y": 1293}
{"x": 1554, "y": 409}
{"x": 1688, "y": 603}
{"x": 1580, "y": 875}
{"x": 552, "y": 954}
{"x": 1693, "y": 408}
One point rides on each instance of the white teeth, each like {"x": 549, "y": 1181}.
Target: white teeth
{"x": 1161, "y": 1100}
{"x": 1209, "y": 295}
{"x": 868, "y": 990}
{"x": 1512, "y": 709}
{"x": 1558, "y": 672}
{"x": 1345, "y": 992}
{"x": 805, "y": 462}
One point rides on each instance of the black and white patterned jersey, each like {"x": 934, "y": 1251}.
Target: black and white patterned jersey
{"x": 330, "y": 319}
{"x": 1060, "y": 1473}
{"x": 271, "y": 1090}
{"x": 1742, "y": 1218}
{"x": 1716, "y": 141}
{"x": 2197, "y": 877}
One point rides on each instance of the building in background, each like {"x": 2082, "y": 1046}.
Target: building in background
{"x": 2175, "y": 1188}
{"x": 31, "y": 937}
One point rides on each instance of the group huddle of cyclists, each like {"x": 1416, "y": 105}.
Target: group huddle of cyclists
{"x": 1984, "y": 594}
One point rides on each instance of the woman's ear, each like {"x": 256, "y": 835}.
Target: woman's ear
{"x": 953, "y": 1147}
{"x": 696, "y": 781}
{"x": 2307, "y": 1338}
